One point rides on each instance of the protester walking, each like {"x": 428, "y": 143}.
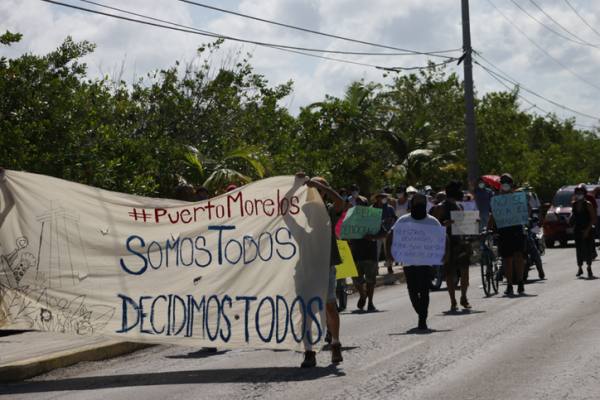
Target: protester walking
{"x": 388, "y": 218}
{"x": 460, "y": 251}
{"x": 583, "y": 216}
{"x": 483, "y": 198}
{"x": 511, "y": 243}
{"x": 417, "y": 276}
{"x": 364, "y": 253}
{"x": 333, "y": 319}
{"x": 402, "y": 205}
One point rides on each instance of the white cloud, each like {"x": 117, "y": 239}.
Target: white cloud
{"x": 426, "y": 25}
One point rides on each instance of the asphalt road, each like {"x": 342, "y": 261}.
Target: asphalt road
{"x": 542, "y": 345}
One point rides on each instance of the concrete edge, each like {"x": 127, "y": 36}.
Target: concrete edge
{"x": 29, "y": 369}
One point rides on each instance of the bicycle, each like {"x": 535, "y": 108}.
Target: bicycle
{"x": 341, "y": 294}
{"x": 489, "y": 266}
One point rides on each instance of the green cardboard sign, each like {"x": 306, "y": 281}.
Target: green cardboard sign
{"x": 361, "y": 221}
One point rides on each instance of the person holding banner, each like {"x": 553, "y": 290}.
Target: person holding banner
{"x": 483, "y": 198}
{"x": 511, "y": 243}
{"x": 417, "y": 276}
{"x": 364, "y": 252}
{"x": 460, "y": 251}
{"x": 333, "y": 319}
{"x": 583, "y": 215}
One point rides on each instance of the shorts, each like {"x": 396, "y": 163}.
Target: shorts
{"x": 511, "y": 243}
{"x": 367, "y": 272}
{"x": 331, "y": 285}
{"x": 460, "y": 257}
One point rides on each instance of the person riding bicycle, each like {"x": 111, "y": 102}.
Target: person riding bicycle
{"x": 510, "y": 241}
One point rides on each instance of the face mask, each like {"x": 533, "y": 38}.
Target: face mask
{"x": 400, "y": 195}
{"x": 506, "y": 187}
{"x": 410, "y": 195}
{"x": 384, "y": 200}
{"x": 481, "y": 185}
{"x": 355, "y": 194}
{"x": 579, "y": 196}
{"x": 526, "y": 190}
{"x": 345, "y": 197}
{"x": 421, "y": 191}
{"x": 466, "y": 199}
{"x": 418, "y": 211}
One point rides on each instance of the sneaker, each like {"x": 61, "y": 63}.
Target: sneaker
{"x": 328, "y": 337}
{"x": 509, "y": 290}
{"x": 520, "y": 287}
{"x": 361, "y": 302}
{"x": 541, "y": 273}
{"x": 310, "y": 359}
{"x": 453, "y": 306}
{"x": 336, "y": 353}
{"x": 464, "y": 302}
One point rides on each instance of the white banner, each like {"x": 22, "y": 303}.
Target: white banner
{"x": 248, "y": 269}
{"x": 419, "y": 244}
{"x": 465, "y": 222}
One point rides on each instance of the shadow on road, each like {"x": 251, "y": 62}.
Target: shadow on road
{"x": 358, "y": 311}
{"x": 464, "y": 311}
{"x": 202, "y": 353}
{"x": 242, "y": 375}
{"x": 417, "y": 331}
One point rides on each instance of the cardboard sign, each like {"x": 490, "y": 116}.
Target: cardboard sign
{"x": 510, "y": 209}
{"x": 247, "y": 269}
{"x": 465, "y": 222}
{"x": 347, "y": 268}
{"x": 468, "y": 205}
{"x": 361, "y": 221}
{"x": 419, "y": 244}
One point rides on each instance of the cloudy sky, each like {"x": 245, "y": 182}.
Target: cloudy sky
{"x": 422, "y": 26}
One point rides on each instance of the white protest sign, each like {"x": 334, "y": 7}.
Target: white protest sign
{"x": 248, "y": 269}
{"x": 418, "y": 244}
{"x": 598, "y": 209}
{"x": 465, "y": 222}
{"x": 510, "y": 209}
{"x": 468, "y": 205}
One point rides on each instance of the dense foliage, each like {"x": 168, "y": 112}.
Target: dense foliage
{"x": 200, "y": 124}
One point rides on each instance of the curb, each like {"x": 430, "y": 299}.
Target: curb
{"x": 29, "y": 369}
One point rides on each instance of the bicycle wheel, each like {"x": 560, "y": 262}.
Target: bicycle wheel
{"x": 435, "y": 278}
{"x": 486, "y": 273}
{"x": 341, "y": 294}
{"x": 495, "y": 268}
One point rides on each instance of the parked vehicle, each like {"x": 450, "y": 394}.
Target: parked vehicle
{"x": 556, "y": 227}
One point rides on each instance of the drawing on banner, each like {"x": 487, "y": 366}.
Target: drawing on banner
{"x": 15, "y": 269}
{"x": 31, "y": 307}
{"x": 60, "y": 229}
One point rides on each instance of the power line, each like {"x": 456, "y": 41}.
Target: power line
{"x": 431, "y": 53}
{"x": 516, "y": 83}
{"x": 398, "y": 69}
{"x": 195, "y": 31}
{"x": 562, "y": 27}
{"x": 581, "y": 17}
{"x": 227, "y": 37}
{"x": 545, "y": 52}
{"x": 581, "y": 42}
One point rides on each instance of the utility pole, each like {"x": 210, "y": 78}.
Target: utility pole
{"x": 469, "y": 100}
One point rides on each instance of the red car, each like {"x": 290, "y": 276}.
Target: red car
{"x": 555, "y": 223}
